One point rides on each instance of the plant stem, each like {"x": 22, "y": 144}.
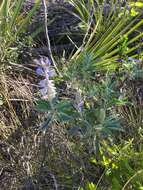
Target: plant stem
{"x": 47, "y": 37}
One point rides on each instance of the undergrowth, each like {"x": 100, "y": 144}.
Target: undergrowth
{"x": 76, "y": 122}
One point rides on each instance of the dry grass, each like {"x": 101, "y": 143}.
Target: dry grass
{"x": 26, "y": 153}
{"x": 17, "y": 93}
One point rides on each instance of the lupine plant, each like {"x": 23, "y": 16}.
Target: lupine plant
{"x": 89, "y": 113}
{"x": 93, "y": 113}
{"x": 57, "y": 110}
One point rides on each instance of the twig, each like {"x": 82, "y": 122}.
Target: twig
{"x": 1, "y": 171}
{"x": 100, "y": 179}
{"x": 18, "y": 100}
{"x": 47, "y": 36}
{"x": 127, "y": 183}
{"x": 90, "y": 20}
{"x": 54, "y": 180}
{"x": 43, "y": 160}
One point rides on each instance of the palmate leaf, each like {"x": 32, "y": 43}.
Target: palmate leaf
{"x": 47, "y": 123}
{"x": 43, "y": 106}
{"x": 113, "y": 124}
{"x": 63, "y": 117}
{"x": 64, "y": 106}
{"x": 66, "y": 111}
{"x": 106, "y": 35}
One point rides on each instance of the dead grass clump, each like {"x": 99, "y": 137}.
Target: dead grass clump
{"x": 17, "y": 93}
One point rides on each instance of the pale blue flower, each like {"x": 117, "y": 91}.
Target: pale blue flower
{"x": 135, "y": 60}
{"x": 43, "y": 61}
{"x": 42, "y": 83}
{"x": 40, "y": 71}
{"x": 79, "y": 102}
{"x": 47, "y": 88}
{"x": 44, "y": 67}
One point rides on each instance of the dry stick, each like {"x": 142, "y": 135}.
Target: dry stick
{"x": 47, "y": 36}
{"x": 127, "y": 183}
{"x": 54, "y": 180}
{"x": 100, "y": 179}
{"x": 43, "y": 160}
{"x": 86, "y": 34}
{"x": 1, "y": 172}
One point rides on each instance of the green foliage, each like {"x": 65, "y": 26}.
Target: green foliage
{"x": 106, "y": 34}
{"x": 58, "y": 111}
{"x": 90, "y": 186}
{"x": 95, "y": 119}
{"x": 123, "y": 166}
{"x": 87, "y": 129}
{"x": 12, "y": 26}
{"x": 136, "y": 7}
{"x": 109, "y": 50}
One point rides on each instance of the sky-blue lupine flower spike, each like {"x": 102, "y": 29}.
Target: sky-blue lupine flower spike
{"x": 47, "y": 88}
